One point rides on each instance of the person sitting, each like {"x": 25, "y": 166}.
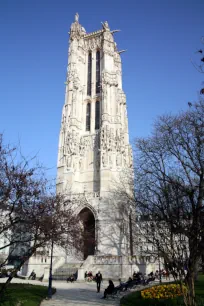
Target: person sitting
{"x": 129, "y": 281}
{"x": 41, "y": 278}
{"x": 121, "y": 285}
{"x": 137, "y": 277}
{"x": 85, "y": 275}
{"x": 32, "y": 275}
{"x": 127, "y": 284}
{"x": 134, "y": 275}
{"x": 157, "y": 274}
{"x": 75, "y": 275}
{"x": 70, "y": 279}
{"x": 109, "y": 289}
{"x": 148, "y": 278}
{"x": 120, "y": 282}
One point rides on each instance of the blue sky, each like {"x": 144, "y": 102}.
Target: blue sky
{"x": 161, "y": 36}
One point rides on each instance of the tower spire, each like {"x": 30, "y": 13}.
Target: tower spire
{"x": 76, "y": 30}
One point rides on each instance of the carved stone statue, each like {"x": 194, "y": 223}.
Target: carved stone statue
{"x": 110, "y": 160}
{"x": 82, "y": 146}
{"x": 118, "y": 160}
{"x": 69, "y": 142}
{"x": 80, "y": 163}
{"x": 69, "y": 161}
{"x": 104, "y": 159}
{"x": 106, "y": 26}
{"x": 76, "y": 17}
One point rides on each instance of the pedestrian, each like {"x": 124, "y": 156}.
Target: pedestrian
{"x": 109, "y": 289}
{"x": 98, "y": 279}
{"x": 31, "y": 275}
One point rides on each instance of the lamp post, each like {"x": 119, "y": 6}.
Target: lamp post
{"x": 130, "y": 230}
{"x": 51, "y": 257}
{"x": 160, "y": 280}
{"x": 131, "y": 239}
{"x": 50, "y": 274}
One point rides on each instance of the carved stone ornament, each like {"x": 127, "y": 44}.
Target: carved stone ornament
{"x": 76, "y": 30}
{"x": 109, "y": 78}
{"x": 63, "y": 123}
{"x": 110, "y": 160}
{"x": 105, "y": 138}
{"x": 107, "y": 260}
{"x": 76, "y": 17}
{"x": 71, "y": 142}
{"x": 97, "y": 161}
{"x": 93, "y": 43}
{"x": 118, "y": 160}
{"x": 130, "y": 156}
{"x": 91, "y": 195}
{"x": 106, "y": 26}
{"x": 69, "y": 161}
{"x": 104, "y": 160}
{"x": 109, "y": 37}
{"x": 88, "y": 143}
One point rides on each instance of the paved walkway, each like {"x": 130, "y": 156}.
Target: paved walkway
{"x": 75, "y": 294}
{"x": 82, "y": 294}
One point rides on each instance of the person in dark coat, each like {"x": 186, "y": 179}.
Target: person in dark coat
{"x": 98, "y": 279}
{"x": 32, "y": 275}
{"x": 109, "y": 289}
{"x": 134, "y": 275}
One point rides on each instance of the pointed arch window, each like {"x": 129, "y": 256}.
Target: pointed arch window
{"x": 97, "y": 115}
{"x": 89, "y": 74}
{"x": 98, "y": 72}
{"x": 88, "y": 116}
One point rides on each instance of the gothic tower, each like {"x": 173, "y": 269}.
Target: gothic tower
{"x": 94, "y": 141}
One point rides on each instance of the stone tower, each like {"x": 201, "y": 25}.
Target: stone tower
{"x": 94, "y": 142}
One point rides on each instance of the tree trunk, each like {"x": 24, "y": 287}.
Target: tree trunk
{"x": 11, "y": 276}
{"x": 5, "y": 285}
{"x": 189, "y": 297}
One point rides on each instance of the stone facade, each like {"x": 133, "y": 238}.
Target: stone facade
{"x": 94, "y": 142}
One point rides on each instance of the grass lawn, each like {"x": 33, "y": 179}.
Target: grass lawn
{"x": 136, "y": 299}
{"x": 24, "y": 295}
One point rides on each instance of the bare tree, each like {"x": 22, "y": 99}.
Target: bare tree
{"x": 169, "y": 191}
{"x": 199, "y": 65}
{"x": 31, "y": 216}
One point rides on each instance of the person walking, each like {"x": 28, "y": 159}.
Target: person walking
{"x": 98, "y": 279}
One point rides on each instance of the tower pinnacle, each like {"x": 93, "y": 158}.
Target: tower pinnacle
{"x": 76, "y": 17}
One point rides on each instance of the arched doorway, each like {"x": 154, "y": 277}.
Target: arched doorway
{"x": 88, "y": 222}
